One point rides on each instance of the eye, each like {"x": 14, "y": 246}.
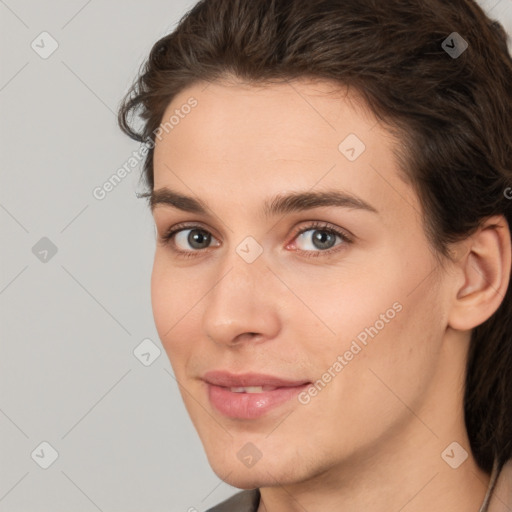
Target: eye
{"x": 320, "y": 238}
{"x": 185, "y": 240}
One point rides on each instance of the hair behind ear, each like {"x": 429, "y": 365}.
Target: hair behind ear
{"x": 488, "y": 393}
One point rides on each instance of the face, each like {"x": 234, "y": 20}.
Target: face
{"x": 292, "y": 325}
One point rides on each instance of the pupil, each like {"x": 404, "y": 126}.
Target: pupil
{"x": 198, "y": 237}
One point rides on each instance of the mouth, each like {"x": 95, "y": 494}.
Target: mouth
{"x": 249, "y": 395}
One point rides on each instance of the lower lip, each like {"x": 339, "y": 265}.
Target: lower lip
{"x": 250, "y": 406}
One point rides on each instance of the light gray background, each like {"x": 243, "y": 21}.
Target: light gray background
{"x": 69, "y": 326}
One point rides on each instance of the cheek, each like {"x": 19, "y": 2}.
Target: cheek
{"x": 172, "y": 304}
{"x": 395, "y": 358}
{"x": 174, "y": 292}
{"x": 388, "y": 319}
{"x": 162, "y": 297}
{"x": 338, "y": 305}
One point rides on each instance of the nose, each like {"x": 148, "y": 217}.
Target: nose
{"x": 243, "y": 304}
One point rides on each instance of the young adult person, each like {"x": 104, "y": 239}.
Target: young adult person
{"x": 331, "y": 188}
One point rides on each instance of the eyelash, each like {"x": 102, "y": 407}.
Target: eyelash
{"x": 167, "y": 238}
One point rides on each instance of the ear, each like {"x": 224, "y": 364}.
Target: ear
{"x": 484, "y": 271}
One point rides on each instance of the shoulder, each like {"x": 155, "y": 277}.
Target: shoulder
{"x": 501, "y": 499}
{"x": 244, "y": 501}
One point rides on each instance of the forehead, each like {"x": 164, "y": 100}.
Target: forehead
{"x": 293, "y": 121}
{"x": 242, "y": 140}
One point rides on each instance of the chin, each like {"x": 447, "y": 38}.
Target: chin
{"x": 247, "y": 478}
{"x": 264, "y": 473}
{"x": 243, "y": 483}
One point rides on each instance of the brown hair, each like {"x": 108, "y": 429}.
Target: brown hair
{"x": 453, "y": 115}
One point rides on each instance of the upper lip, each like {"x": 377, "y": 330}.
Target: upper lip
{"x": 228, "y": 380}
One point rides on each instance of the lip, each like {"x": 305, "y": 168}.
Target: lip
{"x": 230, "y": 380}
{"x": 249, "y": 405}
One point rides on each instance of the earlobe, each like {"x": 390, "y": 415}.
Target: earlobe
{"x": 485, "y": 269}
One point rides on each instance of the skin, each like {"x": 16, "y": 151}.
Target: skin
{"x": 372, "y": 438}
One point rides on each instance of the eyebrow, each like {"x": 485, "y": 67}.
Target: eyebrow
{"x": 280, "y": 204}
